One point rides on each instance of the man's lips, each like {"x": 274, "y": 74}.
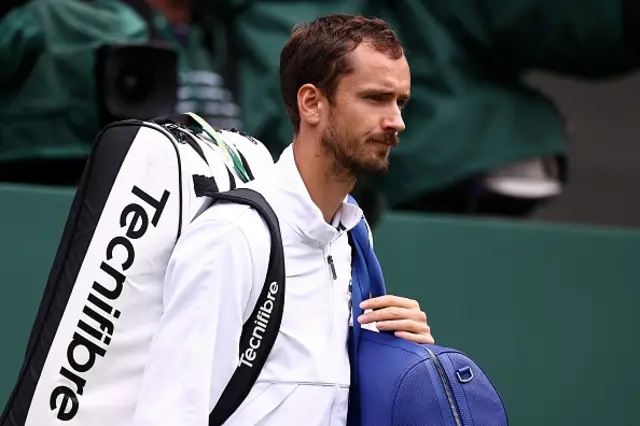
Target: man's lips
{"x": 390, "y": 142}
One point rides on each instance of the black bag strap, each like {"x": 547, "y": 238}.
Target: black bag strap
{"x": 260, "y": 331}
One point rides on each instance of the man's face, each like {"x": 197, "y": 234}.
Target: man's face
{"x": 365, "y": 116}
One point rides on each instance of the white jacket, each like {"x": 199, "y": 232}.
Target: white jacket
{"x": 213, "y": 280}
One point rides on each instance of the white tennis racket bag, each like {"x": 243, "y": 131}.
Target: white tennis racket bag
{"x": 88, "y": 346}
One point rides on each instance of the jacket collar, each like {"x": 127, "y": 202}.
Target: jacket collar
{"x": 299, "y": 210}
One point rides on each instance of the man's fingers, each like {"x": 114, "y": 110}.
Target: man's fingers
{"x": 403, "y": 325}
{"x": 388, "y": 301}
{"x": 416, "y": 338}
{"x": 393, "y": 313}
{"x": 397, "y": 314}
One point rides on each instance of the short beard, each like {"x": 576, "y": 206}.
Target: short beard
{"x": 347, "y": 166}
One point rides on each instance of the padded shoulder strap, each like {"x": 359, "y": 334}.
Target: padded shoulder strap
{"x": 366, "y": 277}
{"x": 361, "y": 243}
{"x": 266, "y": 316}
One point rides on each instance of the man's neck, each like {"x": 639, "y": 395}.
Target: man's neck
{"x": 176, "y": 12}
{"x": 326, "y": 190}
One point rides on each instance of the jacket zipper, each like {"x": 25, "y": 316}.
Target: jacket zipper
{"x": 332, "y": 267}
{"x": 331, "y": 276}
{"x": 334, "y": 275}
{"x": 445, "y": 383}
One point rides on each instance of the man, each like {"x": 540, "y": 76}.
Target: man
{"x": 344, "y": 81}
{"x": 477, "y": 125}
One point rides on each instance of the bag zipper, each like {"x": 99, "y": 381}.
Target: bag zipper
{"x": 447, "y": 389}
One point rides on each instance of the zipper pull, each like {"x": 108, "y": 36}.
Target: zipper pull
{"x": 332, "y": 266}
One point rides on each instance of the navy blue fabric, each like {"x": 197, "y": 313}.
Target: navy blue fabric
{"x": 395, "y": 382}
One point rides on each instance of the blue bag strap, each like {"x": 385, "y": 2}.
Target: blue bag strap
{"x": 366, "y": 261}
{"x": 366, "y": 280}
{"x": 366, "y": 275}
{"x": 359, "y": 291}
{"x": 360, "y": 284}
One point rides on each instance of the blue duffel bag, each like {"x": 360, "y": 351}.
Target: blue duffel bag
{"x": 400, "y": 383}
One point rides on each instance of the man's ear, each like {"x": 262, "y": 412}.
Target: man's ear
{"x": 310, "y": 102}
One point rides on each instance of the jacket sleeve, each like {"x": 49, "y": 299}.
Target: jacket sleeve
{"x": 195, "y": 349}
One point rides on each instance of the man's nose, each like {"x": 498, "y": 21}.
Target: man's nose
{"x": 394, "y": 122}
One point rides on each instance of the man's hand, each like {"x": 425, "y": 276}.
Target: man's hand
{"x": 398, "y": 314}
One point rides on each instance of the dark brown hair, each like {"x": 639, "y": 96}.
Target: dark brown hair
{"x": 317, "y": 53}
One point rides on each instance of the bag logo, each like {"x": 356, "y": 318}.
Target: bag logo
{"x": 96, "y": 327}
{"x": 261, "y": 323}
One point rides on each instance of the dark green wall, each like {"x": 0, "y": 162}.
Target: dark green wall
{"x": 549, "y": 312}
